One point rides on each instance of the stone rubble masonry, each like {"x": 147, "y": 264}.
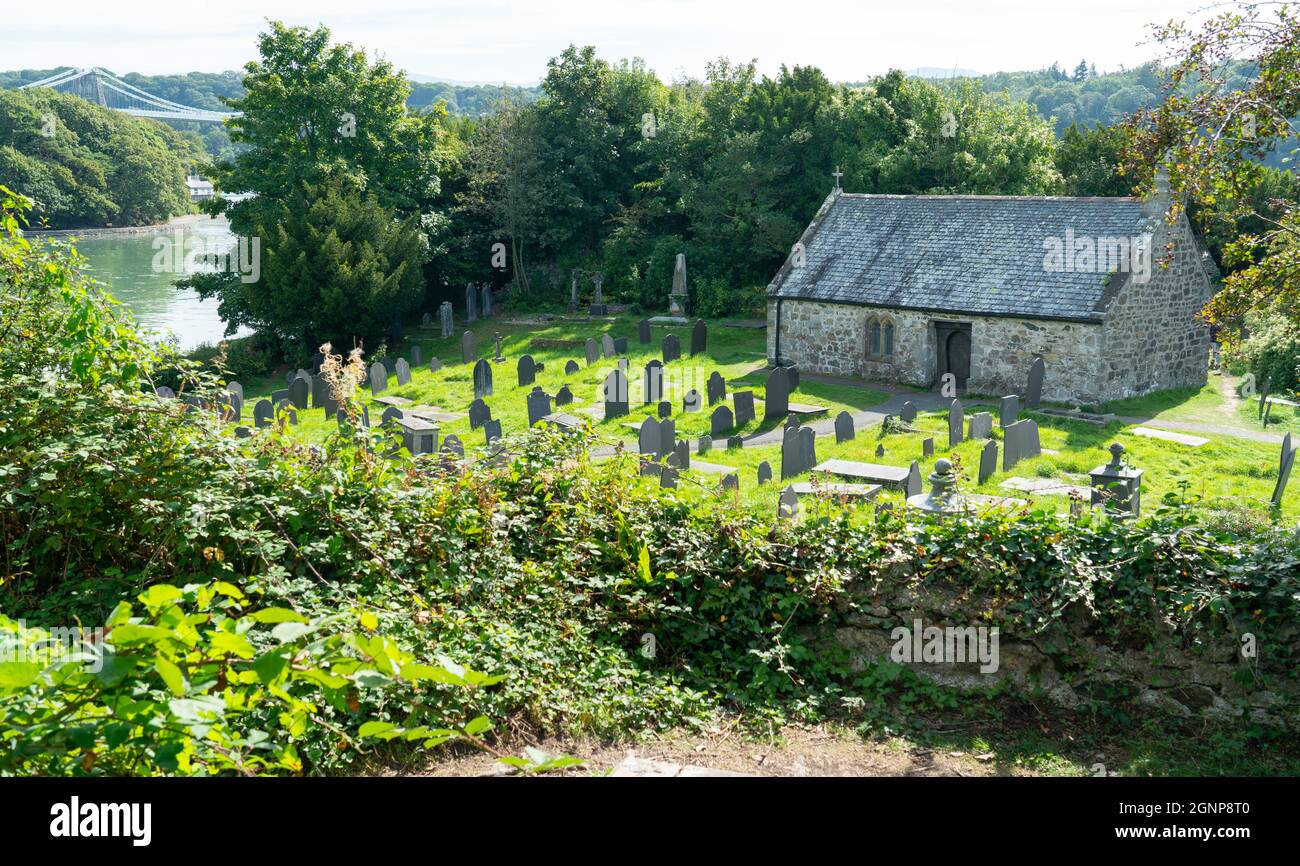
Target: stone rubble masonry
{"x": 1148, "y": 339}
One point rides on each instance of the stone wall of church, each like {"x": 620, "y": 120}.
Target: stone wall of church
{"x": 831, "y": 339}
{"x": 1153, "y": 340}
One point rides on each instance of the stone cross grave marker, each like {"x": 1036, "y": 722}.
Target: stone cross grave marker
{"x": 844, "y": 427}
{"x": 744, "y": 403}
{"x": 777, "y": 397}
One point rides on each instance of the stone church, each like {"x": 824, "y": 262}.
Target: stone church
{"x": 906, "y": 288}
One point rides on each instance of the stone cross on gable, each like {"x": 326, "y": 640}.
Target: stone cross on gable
{"x": 837, "y": 174}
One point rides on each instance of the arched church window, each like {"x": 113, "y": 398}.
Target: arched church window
{"x": 874, "y": 340}
{"x": 889, "y": 337}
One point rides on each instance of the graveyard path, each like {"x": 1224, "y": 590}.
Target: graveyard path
{"x": 1212, "y": 429}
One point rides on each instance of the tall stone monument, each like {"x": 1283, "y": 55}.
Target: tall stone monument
{"x": 678, "y": 298}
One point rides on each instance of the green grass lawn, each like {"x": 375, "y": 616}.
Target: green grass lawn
{"x": 1226, "y": 472}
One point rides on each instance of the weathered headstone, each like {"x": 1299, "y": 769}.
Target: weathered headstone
{"x": 446, "y": 320}
{"x": 1285, "y": 465}
{"x": 667, "y": 436}
{"x": 730, "y": 481}
{"x": 988, "y": 460}
{"x": 682, "y": 454}
{"x": 692, "y": 402}
{"x": 417, "y": 355}
{"x": 880, "y": 450}
{"x": 844, "y": 427}
{"x": 527, "y": 369}
{"x": 699, "y": 338}
{"x": 721, "y": 421}
{"x": 668, "y": 477}
{"x": 479, "y": 413}
{"x": 788, "y": 505}
{"x": 435, "y": 364}
{"x": 571, "y": 367}
{"x": 318, "y": 389}
{"x": 286, "y": 410}
{"x": 452, "y": 448}
{"x": 1034, "y": 390}
{"x": 777, "y": 397}
{"x": 403, "y": 372}
{"x": 956, "y": 424}
{"x": 606, "y": 346}
{"x": 279, "y": 394}
{"x": 744, "y": 403}
{"x": 715, "y": 388}
{"x": 671, "y": 348}
{"x": 391, "y": 415}
{"x": 539, "y": 405}
{"x": 482, "y": 378}
{"x": 647, "y": 437}
{"x": 652, "y": 382}
{"x": 329, "y": 403}
{"x": 615, "y": 394}
{"x": 791, "y": 455}
{"x": 908, "y": 412}
{"x": 643, "y": 331}
{"x": 1019, "y": 441}
{"x": 808, "y": 447}
{"x": 764, "y": 473}
{"x": 471, "y": 303}
{"x": 913, "y": 483}
{"x": 1008, "y": 410}
{"x": 665, "y": 408}
{"x": 378, "y": 378}
{"x": 263, "y": 413}
{"x": 705, "y": 445}
{"x": 564, "y": 396}
{"x": 793, "y": 372}
{"x": 927, "y": 447}
{"x": 981, "y": 425}
{"x": 164, "y": 392}
{"x": 620, "y": 345}
{"x": 236, "y": 388}
{"x": 491, "y": 430}
{"x": 486, "y": 296}
{"x": 496, "y": 343}
{"x": 242, "y": 432}
{"x": 468, "y": 348}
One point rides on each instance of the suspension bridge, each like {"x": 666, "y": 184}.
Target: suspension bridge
{"x": 102, "y": 87}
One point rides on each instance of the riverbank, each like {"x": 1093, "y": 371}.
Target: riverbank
{"x": 116, "y": 231}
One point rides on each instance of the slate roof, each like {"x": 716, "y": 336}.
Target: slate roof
{"x": 956, "y": 254}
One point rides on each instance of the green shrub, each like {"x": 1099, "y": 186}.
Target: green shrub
{"x": 1271, "y": 353}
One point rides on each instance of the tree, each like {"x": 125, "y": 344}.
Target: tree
{"x": 1088, "y": 160}
{"x": 1211, "y": 136}
{"x": 336, "y": 266}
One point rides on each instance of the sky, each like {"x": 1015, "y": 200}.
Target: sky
{"x": 511, "y": 40}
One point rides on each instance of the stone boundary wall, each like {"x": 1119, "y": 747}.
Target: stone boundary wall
{"x": 1072, "y": 664}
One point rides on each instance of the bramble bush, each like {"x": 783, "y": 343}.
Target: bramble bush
{"x": 307, "y": 605}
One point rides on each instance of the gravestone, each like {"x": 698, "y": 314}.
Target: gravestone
{"x": 652, "y": 382}
{"x": 807, "y": 447}
{"x": 665, "y": 408}
{"x": 671, "y": 348}
{"x": 1285, "y": 465}
{"x": 692, "y": 401}
{"x": 564, "y": 396}
{"x": 731, "y": 481}
{"x": 452, "y": 448}
{"x": 793, "y": 372}
{"x": 764, "y": 473}
{"x": 620, "y": 345}
{"x": 792, "y": 420}
{"x": 913, "y": 483}
{"x": 571, "y": 367}
{"x": 278, "y": 395}
{"x": 435, "y": 364}
{"x": 446, "y": 320}
{"x": 699, "y": 338}
{"x": 988, "y": 460}
{"x": 164, "y": 392}
{"x": 491, "y": 431}
{"x": 643, "y": 331}
{"x": 242, "y": 432}
{"x": 647, "y": 437}
{"x": 527, "y": 370}
{"x": 1008, "y": 410}
{"x": 788, "y": 505}
{"x": 682, "y": 454}
{"x": 908, "y": 412}
{"x": 288, "y": 411}
{"x": 678, "y": 297}
{"x": 721, "y": 421}
{"x": 715, "y": 388}
{"x": 378, "y": 378}
{"x": 593, "y": 351}
{"x": 606, "y": 346}
{"x": 235, "y": 388}
{"x": 1034, "y": 390}
{"x": 318, "y": 388}
{"x": 734, "y": 442}
{"x": 614, "y": 393}
{"x": 791, "y": 455}
{"x": 330, "y": 404}
{"x": 667, "y": 436}
{"x": 391, "y": 414}
{"x": 426, "y": 320}
{"x": 389, "y": 362}
{"x": 1019, "y": 441}
{"x": 263, "y": 412}
{"x": 668, "y": 477}
{"x": 539, "y": 405}
{"x": 418, "y": 436}
{"x": 468, "y": 348}
{"x": 880, "y": 450}
{"x": 777, "y": 396}
{"x": 403, "y": 372}
{"x": 482, "y": 378}
{"x": 956, "y": 425}
{"x": 479, "y": 413}
{"x": 486, "y": 309}
{"x": 705, "y": 444}
{"x": 417, "y": 356}
{"x": 496, "y": 341}
{"x": 471, "y": 303}
{"x": 744, "y": 403}
{"x": 927, "y": 448}
{"x": 981, "y": 425}
{"x": 844, "y": 427}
